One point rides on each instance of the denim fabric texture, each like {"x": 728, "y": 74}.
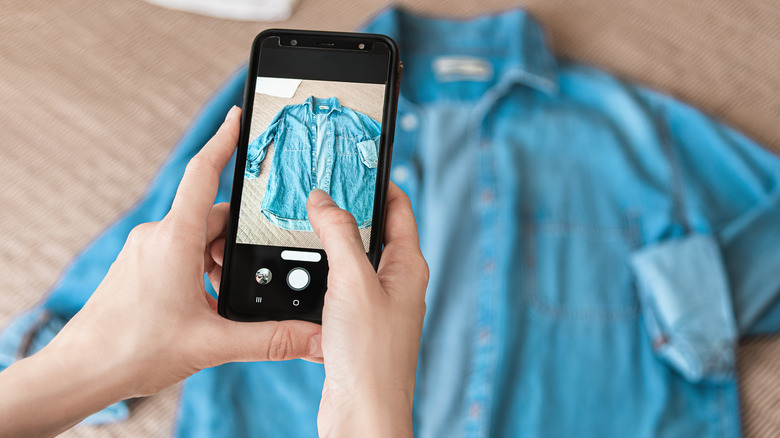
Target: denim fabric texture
{"x": 317, "y": 144}
{"x": 596, "y": 247}
{"x": 595, "y": 250}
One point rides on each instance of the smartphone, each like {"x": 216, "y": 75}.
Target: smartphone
{"x": 319, "y": 112}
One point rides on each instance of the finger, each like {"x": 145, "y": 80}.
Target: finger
{"x": 401, "y": 256}
{"x": 213, "y": 264}
{"x": 217, "y": 250}
{"x": 212, "y": 302}
{"x": 337, "y": 231}
{"x": 215, "y": 227}
{"x": 198, "y": 187}
{"x": 262, "y": 341}
{"x": 315, "y": 350}
{"x": 217, "y": 221}
{"x": 215, "y": 276}
{"x": 400, "y": 225}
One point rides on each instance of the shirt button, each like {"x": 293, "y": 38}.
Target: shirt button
{"x": 659, "y": 342}
{"x": 483, "y": 336}
{"x": 400, "y": 174}
{"x": 474, "y": 410}
{"x": 486, "y": 197}
{"x": 408, "y": 122}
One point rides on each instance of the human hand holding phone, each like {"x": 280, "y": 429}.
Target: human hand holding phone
{"x": 371, "y": 321}
{"x": 319, "y": 113}
{"x": 151, "y": 323}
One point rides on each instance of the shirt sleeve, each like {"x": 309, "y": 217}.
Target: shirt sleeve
{"x": 371, "y": 128}
{"x": 257, "y": 147}
{"x": 720, "y": 277}
{"x": 368, "y": 146}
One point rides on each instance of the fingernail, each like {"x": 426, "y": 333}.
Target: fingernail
{"x": 315, "y": 345}
{"x": 232, "y": 113}
{"x": 319, "y": 198}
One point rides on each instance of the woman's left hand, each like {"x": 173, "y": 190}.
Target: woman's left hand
{"x": 151, "y": 322}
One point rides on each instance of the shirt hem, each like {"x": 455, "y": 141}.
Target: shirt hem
{"x": 298, "y": 224}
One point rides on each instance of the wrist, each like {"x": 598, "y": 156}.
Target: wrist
{"x": 53, "y": 390}
{"x": 374, "y": 412}
{"x": 90, "y": 366}
{"x": 90, "y": 372}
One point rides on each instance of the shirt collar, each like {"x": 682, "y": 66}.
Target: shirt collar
{"x": 513, "y": 35}
{"x": 332, "y": 102}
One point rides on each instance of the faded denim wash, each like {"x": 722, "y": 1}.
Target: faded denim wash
{"x": 317, "y": 144}
{"x": 595, "y": 249}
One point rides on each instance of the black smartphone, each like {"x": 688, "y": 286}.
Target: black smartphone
{"x": 319, "y": 112}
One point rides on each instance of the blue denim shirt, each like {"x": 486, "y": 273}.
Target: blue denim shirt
{"x": 595, "y": 247}
{"x": 595, "y": 250}
{"x": 317, "y": 144}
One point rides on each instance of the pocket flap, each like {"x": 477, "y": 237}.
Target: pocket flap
{"x": 687, "y": 307}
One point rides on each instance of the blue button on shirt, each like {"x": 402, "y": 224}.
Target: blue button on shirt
{"x": 317, "y": 144}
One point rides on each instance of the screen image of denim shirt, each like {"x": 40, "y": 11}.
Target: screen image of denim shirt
{"x": 317, "y": 144}
{"x": 596, "y": 248}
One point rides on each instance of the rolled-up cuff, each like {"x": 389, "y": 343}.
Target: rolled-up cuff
{"x": 686, "y": 306}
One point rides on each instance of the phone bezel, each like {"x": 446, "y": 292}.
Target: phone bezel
{"x": 310, "y": 39}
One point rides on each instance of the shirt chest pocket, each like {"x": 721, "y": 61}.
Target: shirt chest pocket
{"x": 346, "y": 144}
{"x": 294, "y": 139}
{"x": 580, "y": 272}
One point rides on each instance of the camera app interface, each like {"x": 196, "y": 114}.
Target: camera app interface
{"x": 306, "y": 135}
{"x": 315, "y": 122}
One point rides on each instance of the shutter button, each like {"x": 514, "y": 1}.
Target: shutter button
{"x": 298, "y": 279}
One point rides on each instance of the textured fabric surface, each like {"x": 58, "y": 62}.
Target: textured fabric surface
{"x": 558, "y": 174}
{"x": 94, "y": 97}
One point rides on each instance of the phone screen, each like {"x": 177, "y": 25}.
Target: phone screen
{"x": 307, "y": 134}
{"x": 315, "y": 119}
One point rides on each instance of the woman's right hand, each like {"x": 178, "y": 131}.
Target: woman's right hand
{"x": 371, "y": 322}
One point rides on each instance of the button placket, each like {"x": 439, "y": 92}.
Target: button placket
{"x": 408, "y": 122}
{"x": 479, "y": 392}
{"x": 314, "y": 151}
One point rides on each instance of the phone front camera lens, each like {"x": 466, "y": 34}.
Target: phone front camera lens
{"x": 293, "y": 42}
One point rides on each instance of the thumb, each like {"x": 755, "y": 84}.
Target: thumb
{"x": 336, "y": 229}
{"x": 267, "y": 340}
